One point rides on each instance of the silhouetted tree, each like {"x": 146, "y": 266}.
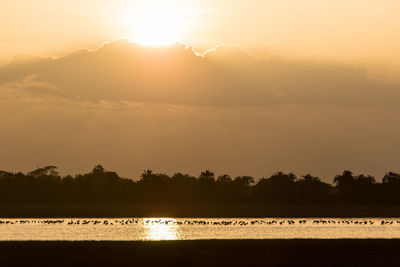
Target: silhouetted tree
{"x": 279, "y": 188}
{"x": 390, "y": 188}
{"x": 207, "y": 186}
{"x": 184, "y": 188}
{"x": 98, "y": 169}
{"x": 364, "y": 189}
{"x": 344, "y": 186}
{"x": 224, "y": 180}
{"x": 155, "y": 186}
{"x": 45, "y": 171}
{"x": 99, "y": 185}
{"x": 241, "y": 187}
{"x": 355, "y": 189}
{"x": 312, "y": 190}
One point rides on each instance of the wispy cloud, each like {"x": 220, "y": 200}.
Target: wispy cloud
{"x": 224, "y": 76}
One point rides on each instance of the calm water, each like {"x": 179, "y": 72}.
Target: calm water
{"x": 195, "y": 229}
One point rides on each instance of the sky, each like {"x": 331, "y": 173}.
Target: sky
{"x": 256, "y": 87}
{"x": 341, "y": 29}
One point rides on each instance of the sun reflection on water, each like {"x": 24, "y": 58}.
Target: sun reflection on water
{"x": 161, "y": 229}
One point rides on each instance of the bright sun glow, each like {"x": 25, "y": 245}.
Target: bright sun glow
{"x": 158, "y": 24}
{"x": 161, "y": 229}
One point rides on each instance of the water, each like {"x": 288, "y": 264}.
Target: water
{"x": 142, "y": 229}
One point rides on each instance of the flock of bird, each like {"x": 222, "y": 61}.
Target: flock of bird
{"x": 282, "y": 222}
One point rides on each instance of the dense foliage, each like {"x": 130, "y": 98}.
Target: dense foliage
{"x": 46, "y": 185}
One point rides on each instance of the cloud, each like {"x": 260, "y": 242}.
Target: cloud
{"x": 169, "y": 109}
{"x": 35, "y": 84}
{"x": 224, "y": 76}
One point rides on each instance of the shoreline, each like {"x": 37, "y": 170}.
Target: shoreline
{"x": 97, "y": 210}
{"x": 203, "y": 253}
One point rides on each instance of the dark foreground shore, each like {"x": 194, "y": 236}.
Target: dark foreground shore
{"x": 138, "y": 210}
{"x": 203, "y": 253}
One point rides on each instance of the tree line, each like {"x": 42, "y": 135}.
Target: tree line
{"x": 46, "y": 185}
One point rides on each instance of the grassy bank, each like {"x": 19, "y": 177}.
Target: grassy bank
{"x": 137, "y": 210}
{"x": 203, "y": 253}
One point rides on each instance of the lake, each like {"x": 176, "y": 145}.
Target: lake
{"x": 146, "y": 229}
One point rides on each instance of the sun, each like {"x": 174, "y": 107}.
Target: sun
{"x": 158, "y": 24}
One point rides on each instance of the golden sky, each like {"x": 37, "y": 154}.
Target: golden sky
{"x": 340, "y": 29}
{"x": 309, "y": 86}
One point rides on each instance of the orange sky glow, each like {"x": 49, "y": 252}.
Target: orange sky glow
{"x": 239, "y": 87}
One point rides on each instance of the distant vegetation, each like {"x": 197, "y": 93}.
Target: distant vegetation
{"x": 45, "y": 185}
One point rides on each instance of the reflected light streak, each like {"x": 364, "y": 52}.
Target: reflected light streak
{"x": 161, "y": 229}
